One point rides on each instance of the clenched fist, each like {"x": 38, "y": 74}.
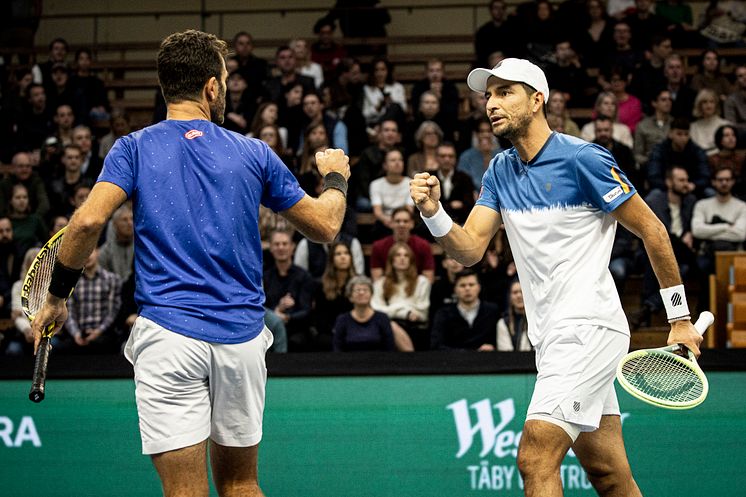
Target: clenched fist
{"x": 425, "y": 192}
{"x": 333, "y": 160}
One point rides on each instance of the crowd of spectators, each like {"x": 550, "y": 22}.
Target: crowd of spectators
{"x": 677, "y": 137}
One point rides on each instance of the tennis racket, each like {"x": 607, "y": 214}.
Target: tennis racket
{"x": 33, "y": 295}
{"x": 666, "y": 377}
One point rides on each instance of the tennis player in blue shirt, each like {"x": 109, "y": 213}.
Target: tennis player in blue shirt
{"x": 560, "y": 199}
{"x": 199, "y": 342}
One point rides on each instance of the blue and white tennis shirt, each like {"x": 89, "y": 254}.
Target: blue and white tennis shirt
{"x": 555, "y": 209}
{"x": 196, "y": 189}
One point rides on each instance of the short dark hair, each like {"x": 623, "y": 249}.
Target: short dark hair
{"x": 187, "y": 61}
{"x": 59, "y": 40}
{"x": 324, "y": 21}
{"x": 402, "y": 209}
{"x": 464, "y": 273}
{"x": 602, "y": 117}
{"x": 241, "y": 34}
{"x": 721, "y": 168}
{"x": 680, "y": 123}
{"x": 84, "y": 50}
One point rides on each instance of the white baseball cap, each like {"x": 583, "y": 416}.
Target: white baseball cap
{"x": 518, "y": 70}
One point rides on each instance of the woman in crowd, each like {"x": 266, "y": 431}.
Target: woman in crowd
{"x": 557, "y": 106}
{"x": 21, "y": 341}
{"x": 709, "y": 76}
{"x": 607, "y": 105}
{"x": 270, "y": 134}
{"x": 28, "y": 228}
{"x": 427, "y": 138}
{"x": 729, "y": 154}
{"x": 707, "y": 111}
{"x": 382, "y": 96}
{"x": 267, "y": 115}
{"x": 330, "y": 299}
{"x": 512, "y": 329}
{"x": 403, "y": 295}
{"x": 315, "y": 140}
{"x": 597, "y": 39}
{"x": 629, "y": 106}
{"x": 362, "y": 328}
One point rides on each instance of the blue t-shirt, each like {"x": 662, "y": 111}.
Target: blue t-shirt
{"x": 556, "y": 214}
{"x": 196, "y": 190}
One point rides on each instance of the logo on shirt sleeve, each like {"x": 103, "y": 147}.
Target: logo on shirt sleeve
{"x": 192, "y": 134}
{"x": 624, "y": 185}
{"x": 617, "y": 191}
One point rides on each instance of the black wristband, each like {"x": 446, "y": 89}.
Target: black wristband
{"x": 63, "y": 280}
{"x": 335, "y": 180}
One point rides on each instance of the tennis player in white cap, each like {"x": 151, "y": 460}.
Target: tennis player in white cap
{"x": 560, "y": 199}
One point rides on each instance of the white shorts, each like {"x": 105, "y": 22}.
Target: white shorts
{"x": 576, "y": 369}
{"x": 188, "y": 390}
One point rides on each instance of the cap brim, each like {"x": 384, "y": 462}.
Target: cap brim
{"x": 477, "y": 79}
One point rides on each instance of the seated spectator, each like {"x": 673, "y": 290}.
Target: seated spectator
{"x": 621, "y": 54}
{"x": 456, "y": 188}
{"x": 644, "y": 24}
{"x": 678, "y": 15}
{"x": 390, "y": 192}
{"x": 654, "y": 128}
{"x": 678, "y": 150}
{"x": 629, "y": 106}
{"x": 288, "y": 290}
{"x": 28, "y": 227}
{"x": 10, "y": 264}
{"x": 383, "y": 97}
{"x": 441, "y": 293}
{"x": 64, "y": 118}
{"x": 622, "y": 154}
{"x": 707, "y": 112}
{"x": 469, "y": 323}
{"x": 61, "y": 92}
{"x": 240, "y": 105}
{"x": 403, "y": 224}
{"x": 542, "y": 31}
{"x": 512, "y": 328}
{"x": 362, "y": 328}
{"x": 497, "y": 269}
{"x": 427, "y": 138}
{"x": 271, "y": 135}
{"x": 429, "y": 110}
{"x": 117, "y": 253}
{"x": 606, "y": 105}
{"x": 622, "y": 257}
{"x": 279, "y": 333}
{"x": 92, "y": 311}
{"x": 729, "y": 154}
{"x": 58, "y": 49}
{"x": 339, "y": 104}
{"x": 596, "y": 40}
{"x": 62, "y": 188}
{"x": 303, "y": 63}
{"x": 709, "y": 76}
{"x": 289, "y": 76}
{"x": 330, "y": 299}
{"x": 494, "y": 35}
{"x": 683, "y": 96}
{"x": 22, "y": 173}
{"x": 119, "y": 125}
{"x": 267, "y": 115}
{"x": 315, "y": 139}
{"x": 443, "y": 89}
{"x": 569, "y": 76}
{"x": 314, "y": 113}
{"x": 326, "y": 51}
{"x": 90, "y": 100}
{"x": 20, "y": 340}
{"x": 35, "y": 122}
{"x": 469, "y": 124}
{"x": 313, "y": 256}
{"x": 556, "y": 107}
{"x": 648, "y": 78}
{"x": 91, "y": 164}
{"x": 255, "y": 70}
{"x": 475, "y": 161}
{"x": 403, "y": 295}
{"x": 370, "y": 165}
{"x": 734, "y": 108}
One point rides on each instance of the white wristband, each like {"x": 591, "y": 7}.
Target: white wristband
{"x": 674, "y": 300}
{"x": 440, "y": 224}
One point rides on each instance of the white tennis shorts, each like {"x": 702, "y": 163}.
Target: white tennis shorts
{"x": 576, "y": 370}
{"x": 188, "y": 390}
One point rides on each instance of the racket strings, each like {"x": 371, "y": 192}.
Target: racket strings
{"x": 40, "y": 284}
{"x": 663, "y": 376}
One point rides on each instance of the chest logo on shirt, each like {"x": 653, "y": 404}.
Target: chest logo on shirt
{"x": 192, "y": 134}
{"x": 613, "y": 194}
{"x": 548, "y": 187}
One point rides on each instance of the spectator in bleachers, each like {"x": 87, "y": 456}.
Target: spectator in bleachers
{"x": 475, "y": 160}
{"x": 325, "y": 50}
{"x": 674, "y": 207}
{"x": 57, "y": 55}
{"x": 314, "y": 113}
{"x": 119, "y": 125}
{"x": 362, "y": 328}
{"x": 403, "y": 295}
{"x": 288, "y": 290}
{"x": 91, "y": 102}
{"x": 654, "y": 128}
{"x": 330, "y": 299}
{"x": 313, "y": 256}
{"x": 621, "y": 53}
{"x": 734, "y": 108}
{"x": 731, "y": 155}
{"x": 709, "y": 76}
{"x": 315, "y": 140}
{"x": 291, "y": 115}
{"x": 288, "y": 77}
{"x": 62, "y": 188}
{"x": 441, "y": 292}
{"x": 117, "y": 253}
{"x": 707, "y": 112}
{"x": 383, "y": 97}
{"x": 267, "y": 114}
{"x": 403, "y": 224}
{"x": 445, "y": 91}
{"x": 64, "y": 119}
{"x": 303, "y": 63}
{"x": 678, "y": 150}
{"x": 350, "y": 77}
{"x": 629, "y": 106}
{"x": 240, "y": 105}
{"x": 427, "y": 138}
{"x": 495, "y": 35}
{"x": 568, "y": 75}
{"x": 255, "y": 70}
{"x": 542, "y": 31}
{"x": 622, "y": 260}
{"x": 723, "y": 23}
{"x": 92, "y": 311}
{"x": 339, "y": 104}
{"x": 429, "y": 110}
{"x": 362, "y": 19}
{"x": 606, "y": 105}
{"x": 469, "y": 123}
{"x": 390, "y": 192}
{"x": 57, "y": 223}
{"x": 22, "y": 173}
{"x": 456, "y": 187}
{"x": 678, "y": 15}
{"x": 35, "y": 122}
{"x": 10, "y": 263}
{"x": 370, "y": 165}
{"x": 644, "y": 24}
{"x": 60, "y": 91}
{"x": 512, "y": 328}
{"x": 603, "y": 128}
{"x": 80, "y": 194}
{"x": 21, "y": 339}
{"x": 29, "y": 229}
{"x": 683, "y": 96}
{"x": 467, "y": 324}
{"x": 595, "y": 41}
{"x": 556, "y": 106}
{"x": 271, "y": 135}
{"x": 91, "y": 163}
{"x": 648, "y": 78}
{"x": 719, "y": 222}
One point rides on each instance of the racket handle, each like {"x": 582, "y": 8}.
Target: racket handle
{"x": 705, "y": 321}
{"x": 40, "y": 370}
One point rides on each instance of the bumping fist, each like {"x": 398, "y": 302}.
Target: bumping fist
{"x": 425, "y": 192}
{"x": 333, "y": 160}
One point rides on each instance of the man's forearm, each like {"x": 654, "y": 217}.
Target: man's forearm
{"x": 459, "y": 245}
{"x": 661, "y": 255}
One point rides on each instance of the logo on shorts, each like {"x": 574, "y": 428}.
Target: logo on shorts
{"x": 613, "y": 194}
{"x": 192, "y": 134}
{"x": 576, "y": 406}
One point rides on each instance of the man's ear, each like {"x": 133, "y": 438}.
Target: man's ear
{"x": 212, "y": 89}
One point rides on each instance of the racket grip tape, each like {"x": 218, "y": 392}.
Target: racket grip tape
{"x": 40, "y": 370}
